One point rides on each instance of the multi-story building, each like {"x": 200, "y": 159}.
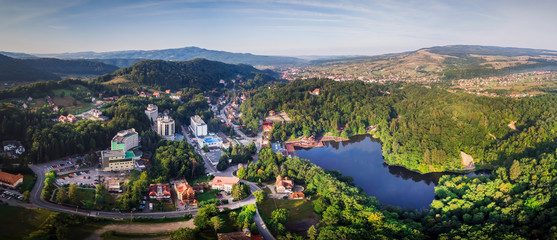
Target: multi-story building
{"x": 123, "y": 153}
{"x": 152, "y": 112}
{"x": 224, "y": 183}
{"x": 184, "y": 191}
{"x": 198, "y": 126}
{"x": 125, "y": 140}
{"x": 166, "y": 127}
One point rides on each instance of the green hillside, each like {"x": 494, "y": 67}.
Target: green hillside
{"x": 70, "y": 67}
{"x": 14, "y": 70}
{"x": 197, "y": 73}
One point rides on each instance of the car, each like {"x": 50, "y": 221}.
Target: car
{"x": 84, "y": 177}
{"x": 63, "y": 178}
{"x": 54, "y": 166}
{"x": 88, "y": 177}
{"x": 61, "y": 164}
{"x": 285, "y": 197}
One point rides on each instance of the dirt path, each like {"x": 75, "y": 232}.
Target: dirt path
{"x": 140, "y": 228}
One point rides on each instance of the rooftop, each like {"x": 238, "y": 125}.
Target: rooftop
{"x": 165, "y": 119}
{"x": 197, "y": 120}
{"x": 122, "y": 135}
{"x": 113, "y": 153}
{"x": 9, "y": 178}
{"x": 224, "y": 180}
{"x": 152, "y": 107}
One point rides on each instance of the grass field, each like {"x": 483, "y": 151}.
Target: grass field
{"x": 205, "y": 196}
{"x": 16, "y": 222}
{"x": 298, "y": 209}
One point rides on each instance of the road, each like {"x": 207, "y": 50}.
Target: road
{"x": 41, "y": 169}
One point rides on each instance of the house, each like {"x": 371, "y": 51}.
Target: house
{"x": 97, "y": 113}
{"x": 244, "y": 235}
{"x": 315, "y": 92}
{"x": 167, "y": 91}
{"x": 296, "y": 195}
{"x": 224, "y": 183}
{"x": 159, "y": 191}
{"x": 10, "y": 180}
{"x": 284, "y": 185}
{"x": 67, "y": 119}
{"x": 24, "y": 106}
{"x": 272, "y": 113}
{"x": 56, "y": 108}
{"x": 143, "y": 94}
{"x": 29, "y": 99}
{"x": 267, "y": 126}
{"x": 156, "y": 94}
{"x": 184, "y": 191}
{"x": 114, "y": 186}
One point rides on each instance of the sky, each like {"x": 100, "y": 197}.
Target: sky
{"x": 274, "y": 27}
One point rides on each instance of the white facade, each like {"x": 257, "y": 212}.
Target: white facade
{"x": 125, "y": 140}
{"x": 152, "y": 112}
{"x": 198, "y": 126}
{"x": 166, "y": 127}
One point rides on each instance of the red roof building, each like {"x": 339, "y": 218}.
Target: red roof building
{"x": 284, "y": 185}
{"x": 224, "y": 183}
{"x": 10, "y": 180}
{"x": 159, "y": 191}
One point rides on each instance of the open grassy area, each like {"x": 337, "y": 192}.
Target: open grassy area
{"x": 16, "y": 222}
{"x": 298, "y": 209}
{"x": 59, "y": 92}
{"x": 80, "y": 231}
{"x": 205, "y": 196}
{"x": 28, "y": 182}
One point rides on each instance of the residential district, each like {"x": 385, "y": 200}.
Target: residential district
{"x": 165, "y": 199}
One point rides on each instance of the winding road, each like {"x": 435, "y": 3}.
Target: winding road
{"x": 36, "y": 199}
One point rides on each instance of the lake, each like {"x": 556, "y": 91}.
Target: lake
{"x": 361, "y": 158}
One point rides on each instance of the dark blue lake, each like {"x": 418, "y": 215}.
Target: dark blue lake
{"x": 361, "y": 158}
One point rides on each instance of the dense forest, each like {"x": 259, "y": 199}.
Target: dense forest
{"x": 424, "y": 129}
{"x": 14, "y": 70}
{"x": 70, "y": 67}
{"x": 197, "y": 73}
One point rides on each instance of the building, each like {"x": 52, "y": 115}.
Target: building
{"x": 211, "y": 142}
{"x": 224, "y": 183}
{"x": 296, "y": 195}
{"x": 114, "y": 186}
{"x": 10, "y": 180}
{"x": 69, "y": 119}
{"x": 245, "y": 235}
{"x": 315, "y": 92}
{"x": 125, "y": 140}
{"x": 185, "y": 192}
{"x": 166, "y": 127}
{"x": 159, "y": 191}
{"x": 198, "y": 126}
{"x": 97, "y": 113}
{"x": 123, "y": 153}
{"x": 284, "y": 185}
{"x": 272, "y": 113}
{"x": 152, "y": 112}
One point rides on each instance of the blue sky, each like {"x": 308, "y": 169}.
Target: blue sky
{"x": 283, "y": 27}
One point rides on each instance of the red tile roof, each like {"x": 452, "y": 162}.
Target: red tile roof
{"x": 9, "y": 178}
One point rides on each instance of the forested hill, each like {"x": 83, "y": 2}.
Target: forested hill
{"x": 183, "y": 54}
{"x": 422, "y": 129}
{"x": 197, "y": 73}
{"x": 70, "y": 67}
{"x": 14, "y": 70}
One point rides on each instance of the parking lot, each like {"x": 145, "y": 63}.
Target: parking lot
{"x": 85, "y": 178}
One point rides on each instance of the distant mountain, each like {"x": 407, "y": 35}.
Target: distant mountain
{"x": 17, "y": 55}
{"x": 435, "y": 63}
{"x": 119, "y": 62}
{"x": 70, "y": 67}
{"x": 15, "y": 70}
{"x": 198, "y": 73}
{"x": 183, "y": 54}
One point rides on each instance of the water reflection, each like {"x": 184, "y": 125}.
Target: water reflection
{"x": 361, "y": 158}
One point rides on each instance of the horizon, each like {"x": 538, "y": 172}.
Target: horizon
{"x": 272, "y": 27}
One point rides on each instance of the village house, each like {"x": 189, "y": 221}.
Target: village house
{"x": 284, "y": 185}
{"x": 272, "y": 113}
{"x": 113, "y": 186}
{"x": 224, "y": 183}
{"x": 296, "y": 195}
{"x": 315, "y": 92}
{"x": 67, "y": 119}
{"x": 10, "y": 180}
{"x": 97, "y": 113}
{"x": 185, "y": 192}
{"x": 159, "y": 191}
